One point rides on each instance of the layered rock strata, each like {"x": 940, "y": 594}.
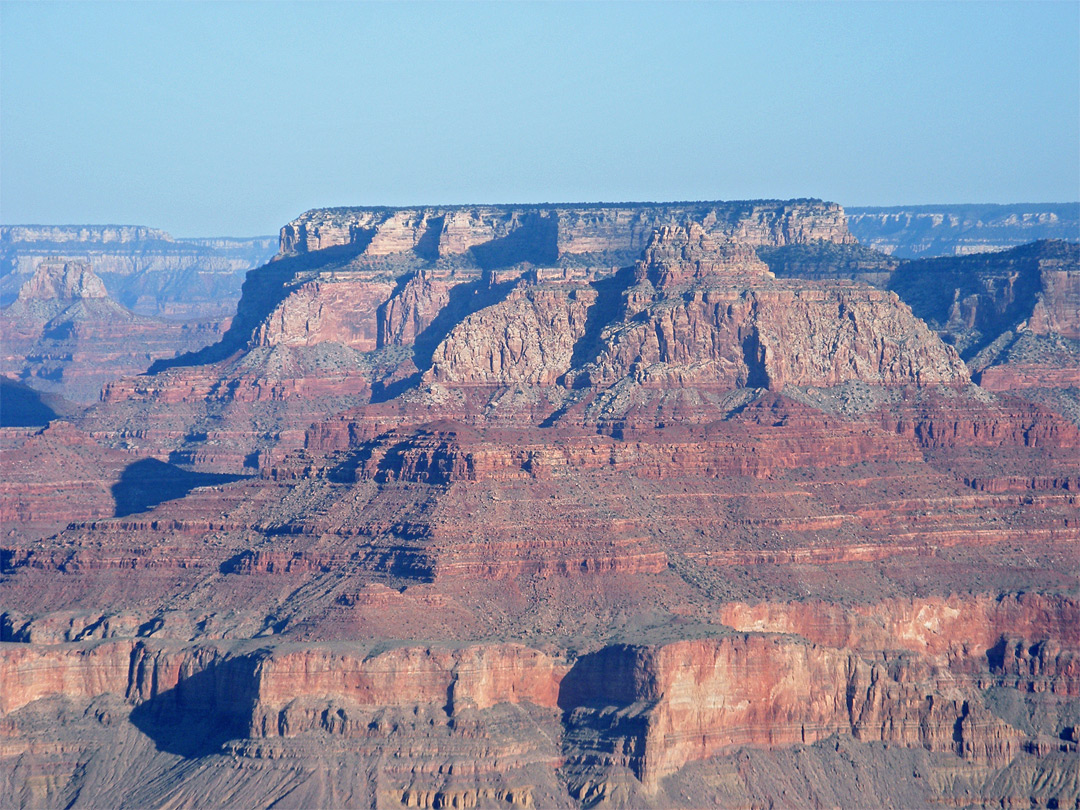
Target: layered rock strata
{"x": 551, "y": 232}
{"x": 649, "y": 709}
{"x": 518, "y": 530}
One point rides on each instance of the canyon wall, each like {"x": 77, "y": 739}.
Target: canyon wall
{"x": 557, "y": 506}
{"x": 652, "y": 709}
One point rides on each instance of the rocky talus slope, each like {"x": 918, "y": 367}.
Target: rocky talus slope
{"x": 65, "y": 335}
{"x": 456, "y": 515}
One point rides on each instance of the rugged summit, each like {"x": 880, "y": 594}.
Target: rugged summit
{"x": 507, "y": 527}
{"x": 62, "y": 282}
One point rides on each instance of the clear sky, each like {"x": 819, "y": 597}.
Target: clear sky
{"x": 232, "y": 118}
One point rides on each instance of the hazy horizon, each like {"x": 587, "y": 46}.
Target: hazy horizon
{"x": 208, "y": 120}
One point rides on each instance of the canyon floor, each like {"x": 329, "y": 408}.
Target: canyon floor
{"x": 646, "y": 505}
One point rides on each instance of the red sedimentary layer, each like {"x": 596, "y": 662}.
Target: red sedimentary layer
{"x": 663, "y": 705}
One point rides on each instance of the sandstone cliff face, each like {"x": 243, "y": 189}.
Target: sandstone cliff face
{"x": 652, "y": 709}
{"x": 405, "y": 315}
{"x": 974, "y": 301}
{"x": 62, "y": 282}
{"x": 703, "y": 313}
{"x": 314, "y": 313}
{"x": 771, "y": 338}
{"x": 1057, "y": 310}
{"x": 453, "y": 680}
{"x": 967, "y": 626}
{"x": 600, "y": 229}
{"x": 528, "y": 339}
{"x": 336, "y": 291}
{"x": 696, "y": 698}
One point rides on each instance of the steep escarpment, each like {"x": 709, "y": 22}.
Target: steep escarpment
{"x": 974, "y": 301}
{"x": 1011, "y": 314}
{"x": 706, "y": 313}
{"x": 604, "y": 233}
{"x": 383, "y": 284}
{"x": 520, "y": 726}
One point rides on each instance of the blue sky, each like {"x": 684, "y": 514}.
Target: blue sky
{"x": 232, "y": 118}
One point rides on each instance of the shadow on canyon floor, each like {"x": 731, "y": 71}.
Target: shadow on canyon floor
{"x": 148, "y": 482}
{"x": 22, "y": 406}
{"x": 203, "y": 711}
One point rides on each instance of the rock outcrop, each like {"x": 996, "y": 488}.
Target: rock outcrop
{"x": 649, "y": 709}
{"x": 530, "y": 233}
{"x": 701, "y": 313}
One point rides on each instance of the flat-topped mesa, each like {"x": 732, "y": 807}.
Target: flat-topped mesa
{"x": 62, "y": 281}
{"x": 554, "y": 231}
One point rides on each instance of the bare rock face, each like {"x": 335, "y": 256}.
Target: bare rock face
{"x": 776, "y": 337}
{"x": 651, "y": 710}
{"x": 34, "y": 460}
{"x": 528, "y": 339}
{"x": 1057, "y": 309}
{"x": 348, "y": 281}
{"x": 405, "y": 315}
{"x": 976, "y": 300}
{"x": 315, "y": 313}
{"x": 702, "y": 314}
{"x": 682, "y": 254}
{"x": 1012, "y": 315}
{"x": 62, "y": 282}
{"x": 579, "y": 230}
